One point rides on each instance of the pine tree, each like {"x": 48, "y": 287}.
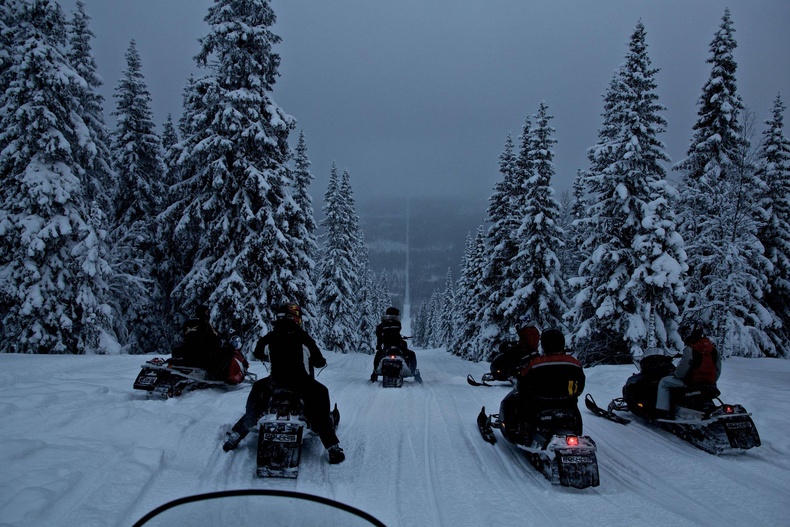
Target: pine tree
{"x": 774, "y": 171}
{"x": 302, "y": 231}
{"x": 230, "y": 221}
{"x": 504, "y": 216}
{"x": 538, "y": 288}
{"x": 53, "y": 268}
{"x": 719, "y": 190}
{"x": 468, "y": 299}
{"x": 338, "y": 268}
{"x": 448, "y": 308}
{"x": 140, "y": 320}
{"x": 95, "y": 156}
{"x": 631, "y": 284}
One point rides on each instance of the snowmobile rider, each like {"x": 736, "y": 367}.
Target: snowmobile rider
{"x": 552, "y": 380}
{"x": 514, "y": 354}
{"x": 293, "y": 355}
{"x": 233, "y": 365}
{"x": 700, "y": 364}
{"x": 387, "y": 336}
{"x": 201, "y": 341}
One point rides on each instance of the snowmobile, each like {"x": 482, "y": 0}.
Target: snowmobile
{"x": 550, "y": 431}
{"x": 165, "y": 378}
{"x": 260, "y": 507}
{"x": 697, "y": 415}
{"x": 393, "y": 368}
{"x": 281, "y": 431}
{"x": 504, "y": 368}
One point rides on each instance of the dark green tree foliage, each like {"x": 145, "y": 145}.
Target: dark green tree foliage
{"x": 719, "y": 202}
{"x": 338, "y": 267}
{"x": 468, "y": 298}
{"x": 233, "y": 197}
{"x": 136, "y": 256}
{"x": 774, "y": 171}
{"x": 53, "y": 268}
{"x": 631, "y": 283}
{"x": 538, "y": 285}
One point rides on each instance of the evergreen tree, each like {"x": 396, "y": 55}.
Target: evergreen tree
{"x": 337, "y": 269}
{"x": 631, "y": 284}
{"x": 53, "y": 268}
{"x": 719, "y": 190}
{"x": 468, "y": 299}
{"x": 445, "y": 327}
{"x": 774, "y": 171}
{"x": 504, "y": 215}
{"x": 302, "y": 230}
{"x": 95, "y": 156}
{"x": 538, "y": 288}
{"x": 234, "y": 199}
{"x": 140, "y": 320}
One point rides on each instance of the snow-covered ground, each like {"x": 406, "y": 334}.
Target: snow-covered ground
{"x": 80, "y": 447}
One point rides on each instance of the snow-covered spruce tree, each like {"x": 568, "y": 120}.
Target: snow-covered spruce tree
{"x": 434, "y": 320}
{"x": 234, "y": 189}
{"x": 631, "y": 285}
{"x": 718, "y": 190}
{"x": 140, "y": 318}
{"x": 338, "y": 269}
{"x": 774, "y": 171}
{"x": 302, "y": 231}
{"x": 538, "y": 288}
{"x": 445, "y": 327}
{"x": 504, "y": 208}
{"x": 468, "y": 298}
{"x": 53, "y": 268}
{"x": 95, "y": 156}
{"x": 419, "y": 327}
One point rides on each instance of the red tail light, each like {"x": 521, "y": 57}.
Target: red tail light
{"x": 392, "y": 356}
{"x": 572, "y": 441}
{"x": 728, "y": 409}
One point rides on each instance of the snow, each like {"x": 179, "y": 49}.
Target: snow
{"x": 80, "y": 447}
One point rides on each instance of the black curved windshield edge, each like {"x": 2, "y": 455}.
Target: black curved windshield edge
{"x": 258, "y": 492}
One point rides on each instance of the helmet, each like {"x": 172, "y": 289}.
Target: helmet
{"x": 202, "y": 312}
{"x": 289, "y": 311}
{"x": 690, "y": 331}
{"x": 553, "y": 341}
{"x": 235, "y": 342}
{"x": 391, "y": 313}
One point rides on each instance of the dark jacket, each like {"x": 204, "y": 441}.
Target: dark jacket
{"x": 552, "y": 376}
{"x": 388, "y": 334}
{"x": 291, "y": 351}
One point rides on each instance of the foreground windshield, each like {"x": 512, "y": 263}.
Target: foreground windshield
{"x": 259, "y": 508}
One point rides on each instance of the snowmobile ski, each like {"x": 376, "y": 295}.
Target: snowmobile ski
{"x": 484, "y": 425}
{"x": 589, "y": 402}
{"x": 472, "y": 382}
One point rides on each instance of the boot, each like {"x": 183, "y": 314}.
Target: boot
{"x": 233, "y": 440}
{"x": 374, "y": 377}
{"x": 336, "y": 454}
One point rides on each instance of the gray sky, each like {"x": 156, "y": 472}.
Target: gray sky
{"x": 416, "y": 97}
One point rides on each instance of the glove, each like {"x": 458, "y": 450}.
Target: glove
{"x": 317, "y": 362}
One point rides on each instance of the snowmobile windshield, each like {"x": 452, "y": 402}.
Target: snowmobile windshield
{"x": 259, "y": 508}
{"x": 649, "y": 352}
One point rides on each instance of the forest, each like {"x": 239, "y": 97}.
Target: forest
{"x": 111, "y": 237}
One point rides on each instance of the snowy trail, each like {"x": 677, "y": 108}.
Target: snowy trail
{"x": 80, "y": 447}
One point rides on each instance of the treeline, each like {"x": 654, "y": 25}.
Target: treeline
{"x": 621, "y": 262}
{"x": 110, "y": 238}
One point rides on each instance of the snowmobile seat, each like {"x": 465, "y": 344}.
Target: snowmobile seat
{"x": 696, "y": 396}
{"x": 285, "y": 402}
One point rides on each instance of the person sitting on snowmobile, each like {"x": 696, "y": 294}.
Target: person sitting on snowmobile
{"x": 387, "y": 336}
{"x": 514, "y": 354}
{"x": 700, "y": 364}
{"x": 231, "y": 365}
{"x": 201, "y": 341}
{"x": 293, "y": 355}
{"x": 552, "y": 380}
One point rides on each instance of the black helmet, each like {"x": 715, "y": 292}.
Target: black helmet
{"x": 690, "y": 331}
{"x": 202, "y": 312}
{"x": 391, "y": 313}
{"x": 553, "y": 341}
{"x": 289, "y": 311}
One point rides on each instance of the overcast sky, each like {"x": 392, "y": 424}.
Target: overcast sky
{"x": 417, "y": 97}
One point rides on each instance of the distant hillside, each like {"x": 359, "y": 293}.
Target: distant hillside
{"x": 437, "y": 233}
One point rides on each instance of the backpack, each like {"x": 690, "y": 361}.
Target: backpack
{"x": 237, "y": 368}
{"x": 703, "y": 362}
